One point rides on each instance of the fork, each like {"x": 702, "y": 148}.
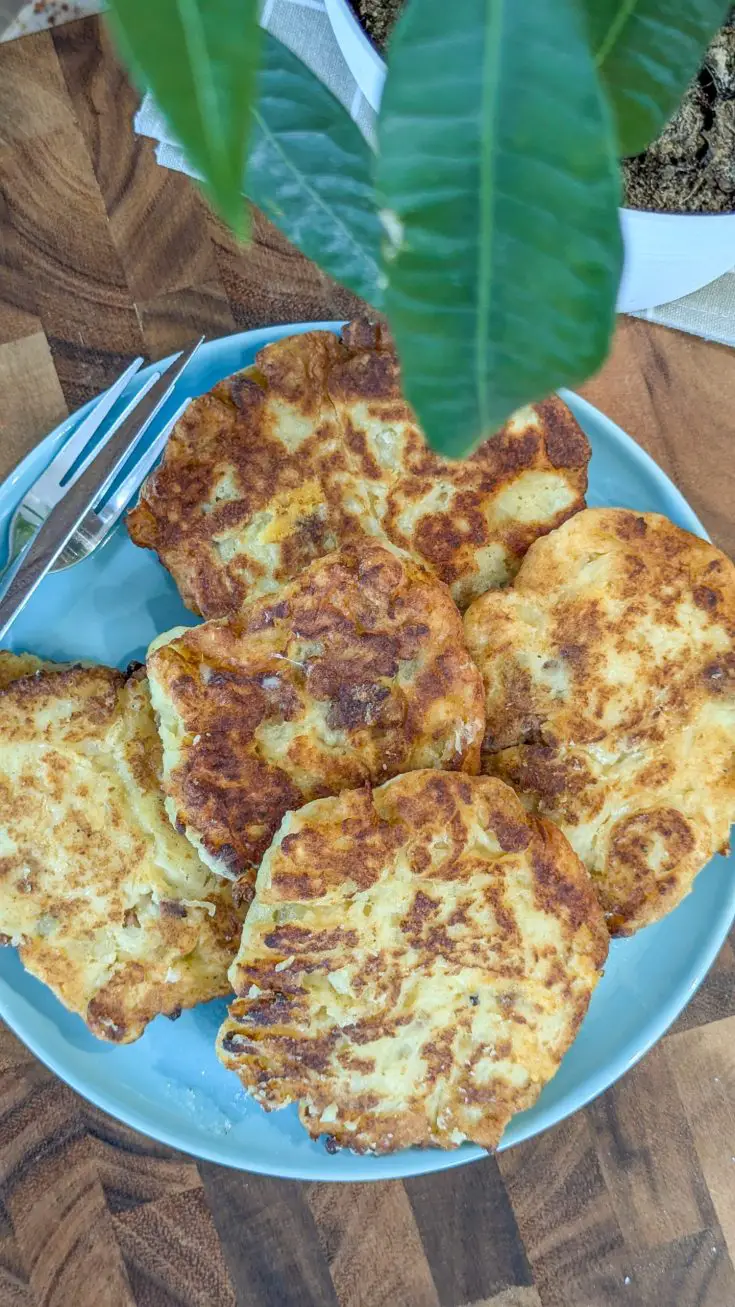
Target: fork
{"x": 68, "y": 512}
{"x": 97, "y": 525}
{"x": 50, "y": 486}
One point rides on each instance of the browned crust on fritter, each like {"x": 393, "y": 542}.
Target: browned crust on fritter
{"x": 15, "y": 666}
{"x": 545, "y": 436}
{"x": 609, "y": 669}
{"x": 416, "y": 962}
{"x": 236, "y": 429}
{"x": 93, "y": 914}
{"x": 354, "y": 672}
{"x": 362, "y": 467}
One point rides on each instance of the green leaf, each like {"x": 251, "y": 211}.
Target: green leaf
{"x": 499, "y": 182}
{"x": 647, "y": 52}
{"x": 310, "y": 170}
{"x": 199, "y": 58}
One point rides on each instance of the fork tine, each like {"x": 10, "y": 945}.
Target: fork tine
{"x": 97, "y": 525}
{"x": 161, "y": 384}
{"x": 73, "y": 446}
{"x": 97, "y": 448}
{"x": 113, "y": 507}
{"x": 173, "y": 371}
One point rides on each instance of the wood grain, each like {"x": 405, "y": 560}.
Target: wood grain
{"x": 645, "y": 1151}
{"x": 454, "y": 1210}
{"x": 632, "y": 1201}
{"x": 372, "y": 1245}
{"x": 703, "y": 1065}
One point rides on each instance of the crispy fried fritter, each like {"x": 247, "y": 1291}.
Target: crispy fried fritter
{"x": 13, "y": 666}
{"x": 609, "y": 670}
{"x": 254, "y": 484}
{"x": 354, "y": 672}
{"x": 415, "y": 963}
{"x": 314, "y": 446}
{"x": 470, "y": 520}
{"x": 107, "y": 904}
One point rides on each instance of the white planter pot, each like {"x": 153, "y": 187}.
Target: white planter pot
{"x": 667, "y": 255}
{"x": 362, "y": 59}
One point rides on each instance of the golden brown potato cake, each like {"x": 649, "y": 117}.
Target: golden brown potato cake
{"x": 13, "y": 666}
{"x": 315, "y": 446}
{"x": 609, "y": 671}
{"x": 415, "y": 964}
{"x": 354, "y": 672}
{"x": 470, "y": 520}
{"x": 107, "y": 904}
{"x": 254, "y": 484}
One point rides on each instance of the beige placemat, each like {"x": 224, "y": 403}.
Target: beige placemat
{"x": 709, "y": 312}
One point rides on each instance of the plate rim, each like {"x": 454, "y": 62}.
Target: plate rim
{"x": 408, "y": 1162}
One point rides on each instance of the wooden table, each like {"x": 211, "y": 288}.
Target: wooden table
{"x": 102, "y": 256}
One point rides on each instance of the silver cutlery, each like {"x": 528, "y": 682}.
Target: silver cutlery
{"x": 67, "y": 513}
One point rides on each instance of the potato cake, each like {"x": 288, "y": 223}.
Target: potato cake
{"x": 609, "y": 671}
{"x": 106, "y": 903}
{"x": 254, "y": 483}
{"x": 314, "y": 446}
{"x": 352, "y": 673}
{"x": 471, "y": 520}
{"x": 416, "y": 961}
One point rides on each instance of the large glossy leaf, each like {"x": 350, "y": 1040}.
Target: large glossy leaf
{"x": 499, "y": 183}
{"x": 199, "y": 58}
{"x": 310, "y": 170}
{"x": 647, "y": 52}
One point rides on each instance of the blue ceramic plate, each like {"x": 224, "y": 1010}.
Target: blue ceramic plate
{"x": 170, "y": 1084}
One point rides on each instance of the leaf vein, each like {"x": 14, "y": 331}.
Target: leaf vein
{"x": 303, "y": 184}
{"x": 622, "y": 16}
{"x": 489, "y": 105}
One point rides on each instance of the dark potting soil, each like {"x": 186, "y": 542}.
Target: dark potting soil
{"x": 377, "y": 17}
{"x": 691, "y": 167}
